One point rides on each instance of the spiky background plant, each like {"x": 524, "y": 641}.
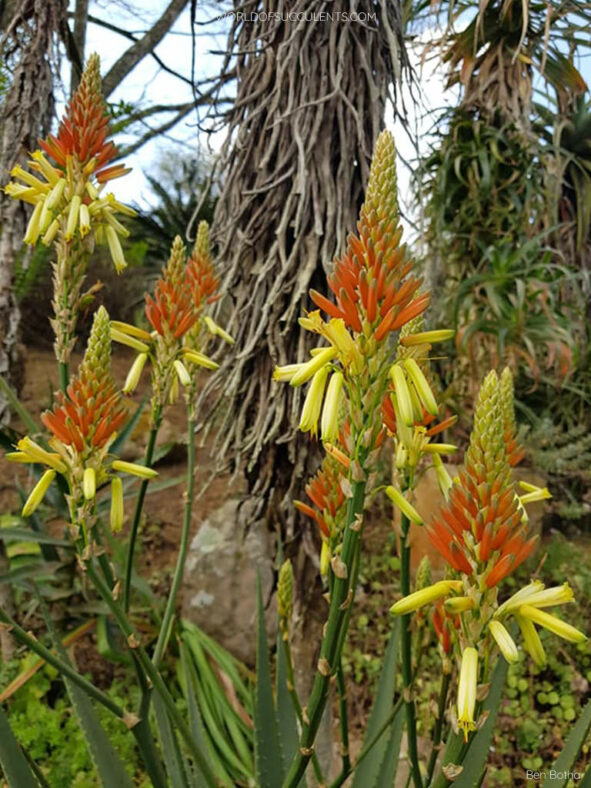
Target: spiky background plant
{"x": 491, "y": 189}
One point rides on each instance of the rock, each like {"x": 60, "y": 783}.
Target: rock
{"x": 219, "y": 593}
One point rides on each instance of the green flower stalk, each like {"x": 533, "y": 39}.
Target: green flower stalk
{"x": 375, "y": 295}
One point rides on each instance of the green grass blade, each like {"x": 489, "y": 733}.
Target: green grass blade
{"x": 566, "y": 761}
{"x": 190, "y": 684}
{"x": 169, "y": 745}
{"x": 195, "y": 721}
{"x": 286, "y": 716}
{"x": 368, "y": 771}
{"x": 267, "y": 753}
{"x": 14, "y": 763}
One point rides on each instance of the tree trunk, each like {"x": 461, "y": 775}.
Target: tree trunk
{"x": 79, "y": 42}
{"x": 25, "y": 114}
{"x": 311, "y": 98}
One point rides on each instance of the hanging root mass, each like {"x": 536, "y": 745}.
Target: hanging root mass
{"x": 310, "y": 103}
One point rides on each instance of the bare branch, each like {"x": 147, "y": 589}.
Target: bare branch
{"x": 126, "y": 34}
{"x": 132, "y": 56}
{"x": 157, "y": 109}
{"x": 149, "y": 135}
{"x": 78, "y": 41}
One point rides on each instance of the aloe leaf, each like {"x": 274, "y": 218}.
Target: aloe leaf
{"x": 195, "y": 721}
{"x": 286, "y": 716}
{"x": 368, "y": 771}
{"x": 121, "y": 439}
{"x": 35, "y": 570}
{"x": 19, "y": 408}
{"x": 566, "y": 761}
{"x": 14, "y": 763}
{"x": 169, "y": 745}
{"x": 387, "y": 776}
{"x": 267, "y": 753}
{"x": 14, "y": 534}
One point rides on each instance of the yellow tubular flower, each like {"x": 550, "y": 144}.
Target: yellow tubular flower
{"x": 182, "y": 372}
{"x": 73, "y": 213}
{"x": 403, "y": 399}
{"x": 425, "y": 596}
{"x": 336, "y": 333}
{"x": 48, "y": 170}
{"x": 115, "y": 249}
{"x": 134, "y": 469}
{"x": 553, "y": 624}
{"x": 133, "y": 331}
{"x": 45, "y": 219}
{"x": 458, "y": 604}
{"x": 115, "y": 224}
{"x": 89, "y": 483}
{"x": 26, "y": 177}
{"x": 117, "y": 512}
{"x": 324, "y": 558}
{"x": 37, "y": 454}
{"x": 216, "y": 330}
{"x": 285, "y": 374}
{"x": 56, "y": 194}
{"x": 200, "y": 359}
{"x": 531, "y": 641}
{"x": 443, "y": 477}
{"x": 519, "y": 598}
{"x": 504, "y": 641}
{"x": 422, "y": 386}
{"x": 329, "y": 425}
{"x": 539, "y": 494}
{"x": 548, "y": 597}
{"x": 427, "y": 337}
{"x": 52, "y": 231}
{"x": 134, "y": 374}
{"x": 441, "y": 448}
{"x": 33, "y": 227}
{"x": 313, "y": 402}
{"x": 84, "y": 221}
{"x": 467, "y": 686}
{"x": 405, "y": 506}
{"x": 310, "y": 368}
{"x": 126, "y": 339}
{"x": 38, "y": 493}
